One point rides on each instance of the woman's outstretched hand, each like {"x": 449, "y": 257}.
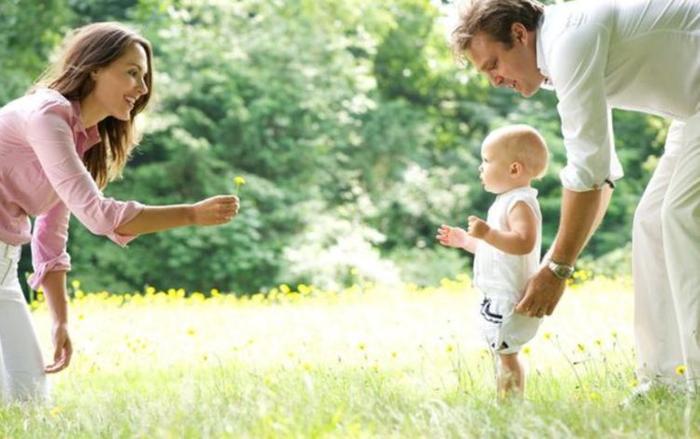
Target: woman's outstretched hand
{"x": 219, "y": 209}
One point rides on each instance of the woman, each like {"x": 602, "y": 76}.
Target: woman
{"x": 59, "y": 145}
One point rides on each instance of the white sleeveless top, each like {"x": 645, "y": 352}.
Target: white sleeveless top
{"x": 497, "y": 273}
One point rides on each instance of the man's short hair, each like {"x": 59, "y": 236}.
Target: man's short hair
{"x": 495, "y": 18}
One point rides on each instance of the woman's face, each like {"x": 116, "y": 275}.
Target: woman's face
{"x": 119, "y": 84}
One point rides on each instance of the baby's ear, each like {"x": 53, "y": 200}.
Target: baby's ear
{"x": 516, "y": 169}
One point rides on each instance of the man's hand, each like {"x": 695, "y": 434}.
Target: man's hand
{"x": 478, "y": 228}
{"x": 542, "y": 294}
{"x": 63, "y": 349}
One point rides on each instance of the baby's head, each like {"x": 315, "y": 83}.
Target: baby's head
{"x": 512, "y": 156}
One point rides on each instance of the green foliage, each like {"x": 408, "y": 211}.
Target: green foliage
{"x": 28, "y": 33}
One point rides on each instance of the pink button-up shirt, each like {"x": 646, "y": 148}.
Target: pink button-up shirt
{"x": 42, "y": 141}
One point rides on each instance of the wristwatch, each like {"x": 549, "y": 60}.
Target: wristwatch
{"x": 562, "y": 271}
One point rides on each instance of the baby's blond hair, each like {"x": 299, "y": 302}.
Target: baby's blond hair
{"x": 523, "y": 144}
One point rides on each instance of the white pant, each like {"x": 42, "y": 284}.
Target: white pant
{"x": 666, "y": 263}
{"x": 21, "y": 364}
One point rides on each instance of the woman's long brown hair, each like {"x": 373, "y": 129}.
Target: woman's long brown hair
{"x": 86, "y": 50}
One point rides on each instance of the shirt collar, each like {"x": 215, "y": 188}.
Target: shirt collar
{"x": 528, "y": 190}
{"x": 87, "y": 137}
{"x": 541, "y": 61}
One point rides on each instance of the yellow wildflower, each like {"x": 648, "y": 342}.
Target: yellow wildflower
{"x": 238, "y": 181}
{"x": 680, "y": 370}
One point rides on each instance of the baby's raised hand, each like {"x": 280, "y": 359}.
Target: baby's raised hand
{"x": 478, "y": 228}
{"x": 452, "y": 236}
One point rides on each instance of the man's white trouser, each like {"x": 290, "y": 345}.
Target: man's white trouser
{"x": 21, "y": 364}
{"x": 666, "y": 263}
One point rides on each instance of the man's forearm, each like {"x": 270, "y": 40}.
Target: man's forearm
{"x": 54, "y": 284}
{"x": 581, "y": 214}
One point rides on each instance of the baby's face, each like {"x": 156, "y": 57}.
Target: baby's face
{"x": 494, "y": 170}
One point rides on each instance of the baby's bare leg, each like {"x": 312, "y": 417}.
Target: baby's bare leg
{"x": 510, "y": 379}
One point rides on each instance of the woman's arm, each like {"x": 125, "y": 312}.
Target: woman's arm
{"x": 211, "y": 211}
{"x": 55, "y": 291}
{"x": 51, "y": 138}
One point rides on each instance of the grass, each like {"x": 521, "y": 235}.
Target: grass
{"x": 372, "y": 362}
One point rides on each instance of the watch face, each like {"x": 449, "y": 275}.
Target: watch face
{"x": 561, "y": 271}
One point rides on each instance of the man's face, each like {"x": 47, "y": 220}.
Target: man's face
{"x": 514, "y": 68}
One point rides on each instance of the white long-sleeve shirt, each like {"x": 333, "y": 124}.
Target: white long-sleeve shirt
{"x": 641, "y": 55}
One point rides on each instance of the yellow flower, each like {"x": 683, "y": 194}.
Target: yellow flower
{"x": 581, "y": 347}
{"x": 450, "y": 348}
{"x": 680, "y": 370}
{"x": 55, "y": 411}
{"x": 547, "y": 335}
{"x": 361, "y": 346}
{"x": 75, "y": 284}
{"x": 238, "y": 181}
{"x": 527, "y": 350}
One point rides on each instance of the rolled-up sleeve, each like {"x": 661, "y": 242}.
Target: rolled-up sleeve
{"x": 49, "y": 244}
{"x": 51, "y": 138}
{"x": 586, "y": 119}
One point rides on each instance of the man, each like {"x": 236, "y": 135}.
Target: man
{"x": 641, "y": 55}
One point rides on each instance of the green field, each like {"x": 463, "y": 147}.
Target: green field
{"x": 367, "y": 362}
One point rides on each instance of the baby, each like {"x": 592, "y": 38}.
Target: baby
{"x": 506, "y": 246}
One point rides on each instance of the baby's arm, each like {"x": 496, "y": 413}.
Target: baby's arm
{"x": 456, "y": 237}
{"x": 521, "y": 237}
